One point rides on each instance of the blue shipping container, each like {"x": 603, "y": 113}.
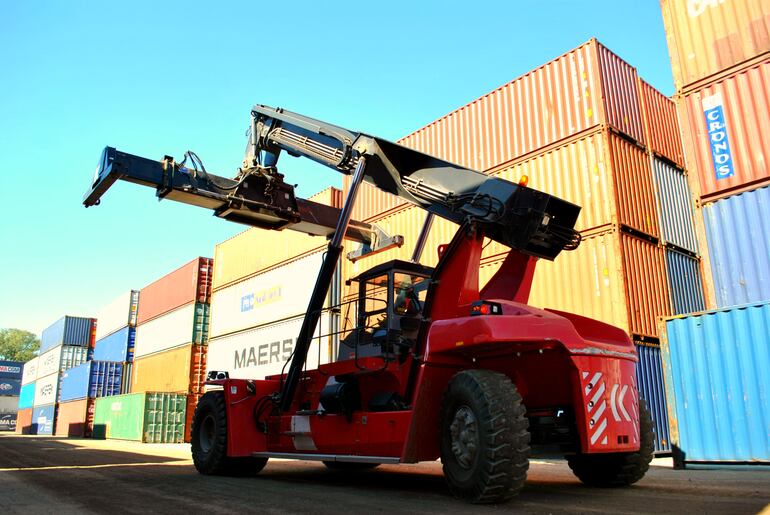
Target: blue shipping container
{"x": 8, "y": 422}
{"x": 11, "y": 369}
{"x": 10, "y": 387}
{"x": 27, "y": 396}
{"x": 43, "y": 420}
{"x": 718, "y": 385}
{"x": 649, "y": 376}
{"x": 738, "y": 234}
{"x": 67, "y": 330}
{"x": 118, "y": 346}
{"x": 685, "y": 287}
{"x": 92, "y": 379}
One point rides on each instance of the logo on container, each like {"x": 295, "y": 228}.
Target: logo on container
{"x": 5, "y": 387}
{"x": 697, "y": 7}
{"x": 9, "y": 369}
{"x": 717, "y": 131}
{"x": 260, "y": 298}
{"x": 264, "y": 354}
{"x": 247, "y": 302}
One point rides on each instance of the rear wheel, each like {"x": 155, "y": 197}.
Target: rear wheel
{"x": 209, "y": 441}
{"x": 346, "y": 466}
{"x": 618, "y": 469}
{"x": 484, "y": 437}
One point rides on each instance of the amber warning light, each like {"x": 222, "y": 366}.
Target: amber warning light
{"x": 524, "y": 180}
{"x": 482, "y": 307}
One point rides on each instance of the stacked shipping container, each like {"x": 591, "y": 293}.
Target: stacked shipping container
{"x": 585, "y": 128}
{"x": 257, "y": 309}
{"x": 10, "y": 388}
{"x": 27, "y": 396}
{"x": 172, "y": 334}
{"x": 720, "y": 54}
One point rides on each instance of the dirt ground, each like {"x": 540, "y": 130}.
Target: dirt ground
{"x": 56, "y": 475}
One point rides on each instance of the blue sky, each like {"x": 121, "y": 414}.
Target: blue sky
{"x": 156, "y": 78}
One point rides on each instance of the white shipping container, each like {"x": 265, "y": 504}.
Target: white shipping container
{"x": 9, "y": 404}
{"x": 29, "y": 374}
{"x": 165, "y": 332}
{"x": 46, "y": 389}
{"x": 278, "y": 294}
{"x": 117, "y": 314}
{"x": 263, "y": 351}
{"x": 61, "y": 358}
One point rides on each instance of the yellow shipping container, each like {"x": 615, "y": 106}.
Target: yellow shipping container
{"x": 708, "y": 36}
{"x": 255, "y": 250}
{"x": 179, "y": 370}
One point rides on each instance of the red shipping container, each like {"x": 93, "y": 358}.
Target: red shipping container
{"x": 75, "y": 418}
{"x": 189, "y": 283}
{"x": 661, "y": 126}
{"x": 731, "y": 152}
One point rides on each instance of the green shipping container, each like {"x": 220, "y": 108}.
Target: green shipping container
{"x": 142, "y": 417}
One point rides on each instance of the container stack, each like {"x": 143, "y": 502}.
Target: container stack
{"x": 259, "y": 300}
{"x": 108, "y": 371}
{"x": 582, "y": 127}
{"x": 170, "y": 348}
{"x": 65, "y": 344}
{"x": 720, "y": 56}
{"x": 10, "y": 388}
{"x": 27, "y": 397}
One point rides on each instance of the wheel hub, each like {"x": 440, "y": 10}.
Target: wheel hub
{"x": 207, "y": 433}
{"x": 464, "y": 436}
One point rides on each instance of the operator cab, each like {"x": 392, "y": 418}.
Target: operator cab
{"x": 389, "y": 310}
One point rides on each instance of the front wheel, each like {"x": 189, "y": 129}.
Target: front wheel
{"x": 209, "y": 441}
{"x": 484, "y": 437}
{"x": 621, "y": 468}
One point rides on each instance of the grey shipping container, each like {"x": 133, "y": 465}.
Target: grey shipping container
{"x": 675, "y": 205}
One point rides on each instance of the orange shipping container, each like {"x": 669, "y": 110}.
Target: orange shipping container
{"x": 192, "y": 402}
{"x": 75, "y": 418}
{"x": 24, "y": 421}
{"x": 180, "y": 370}
{"x": 605, "y": 174}
{"x": 708, "y": 36}
{"x": 613, "y": 277}
{"x": 661, "y": 126}
{"x": 585, "y": 88}
{"x": 188, "y": 283}
{"x": 732, "y": 151}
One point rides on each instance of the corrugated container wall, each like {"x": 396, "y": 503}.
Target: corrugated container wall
{"x": 602, "y": 172}
{"x": 43, "y": 418}
{"x": 738, "y": 235}
{"x": 27, "y": 396}
{"x": 60, "y": 359}
{"x": 189, "y": 283}
{"x": 24, "y": 422}
{"x": 612, "y": 276}
{"x": 188, "y": 324}
{"x": 29, "y": 373}
{"x": 68, "y": 330}
{"x": 179, "y": 370}
{"x": 119, "y": 313}
{"x": 91, "y": 379}
{"x": 585, "y": 88}
{"x": 117, "y": 346}
{"x": 143, "y": 417}
{"x": 685, "y": 284}
{"x": 46, "y": 390}
{"x": 707, "y": 36}
{"x": 661, "y": 126}
{"x": 279, "y": 293}
{"x": 717, "y": 385}
{"x": 649, "y": 375}
{"x": 675, "y": 206}
{"x": 75, "y": 418}
{"x": 725, "y": 126}
{"x": 244, "y": 254}
{"x": 263, "y": 351}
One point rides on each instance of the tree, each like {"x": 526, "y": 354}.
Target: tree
{"x": 18, "y": 345}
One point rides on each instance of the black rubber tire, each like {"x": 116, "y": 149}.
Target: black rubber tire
{"x": 618, "y": 469}
{"x": 497, "y": 470}
{"x": 209, "y": 450}
{"x": 345, "y": 466}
